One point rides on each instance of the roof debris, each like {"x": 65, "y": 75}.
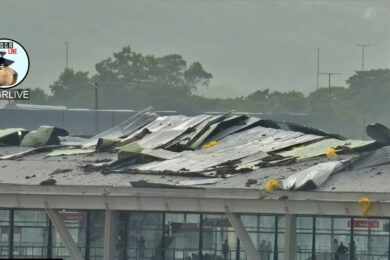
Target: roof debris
{"x": 313, "y": 177}
{"x": 11, "y": 136}
{"x": 44, "y": 135}
{"x": 195, "y": 151}
{"x": 379, "y": 133}
{"x": 48, "y": 182}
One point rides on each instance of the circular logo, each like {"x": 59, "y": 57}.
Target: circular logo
{"x": 14, "y": 63}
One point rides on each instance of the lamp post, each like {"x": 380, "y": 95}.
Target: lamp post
{"x": 96, "y": 95}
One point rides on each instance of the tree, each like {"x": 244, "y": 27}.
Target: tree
{"x": 73, "y": 88}
{"x": 370, "y": 91}
{"x": 130, "y": 79}
{"x": 277, "y": 102}
{"x": 196, "y": 76}
{"x": 38, "y": 96}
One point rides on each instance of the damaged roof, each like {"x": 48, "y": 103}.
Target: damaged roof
{"x": 224, "y": 151}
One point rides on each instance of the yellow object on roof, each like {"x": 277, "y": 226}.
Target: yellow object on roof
{"x": 272, "y": 185}
{"x": 331, "y": 153}
{"x": 366, "y": 205}
{"x": 210, "y": 144}
{"x": 319, "y": 148}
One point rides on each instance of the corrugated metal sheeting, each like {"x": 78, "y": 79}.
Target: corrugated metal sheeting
{"x": 203, "y": 149}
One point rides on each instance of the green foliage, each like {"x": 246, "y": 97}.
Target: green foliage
{"x": 73, "y": 88}
{"x": 38, "y": 97}
{"x": 131, "y": 80}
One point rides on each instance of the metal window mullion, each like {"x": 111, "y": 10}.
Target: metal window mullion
{"x": 49, "y": 250}
{"x": 163, "y": 237}
{"x": 388, "y": 247}
{"x": 11, "y": 234}
{"x": 351, "y": 239}
{"x": 126, "y": 235}
{"x": 313, "y": 245}
{"x": 200, "y": 237}
{"x": 238, "y": 248}
{"x": 276, "y": 236}
{"x": 87, "y": 235}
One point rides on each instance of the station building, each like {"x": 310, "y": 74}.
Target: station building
{"x": 157, "y": 201}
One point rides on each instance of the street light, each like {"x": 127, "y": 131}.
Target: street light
{"x": 96, "y": 95}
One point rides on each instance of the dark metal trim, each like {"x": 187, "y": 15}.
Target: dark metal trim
{"x": 11, "y": 234}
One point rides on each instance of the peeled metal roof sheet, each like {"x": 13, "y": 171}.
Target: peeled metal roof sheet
{"x": 167, "y": 128}
{"x": 125, "y": 128}
{"x": 162, "y": 154}
{"x": 312, "y": 177}
{"x": 201, "y": 160}
{"x": 187, "y": 138}
{"x": 246, "y": 124}
{"x": 257, "y": 141}
{"x": 70, "y": 151}
{"x": 225, "y": 127}
{"x": 319, "y": 148}
{"x": 375, "y": 158}
{"x": 268, "y": 139}
{"x": 11, "y": 136}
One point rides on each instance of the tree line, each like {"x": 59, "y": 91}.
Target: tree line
{"x": 132, "y": 80}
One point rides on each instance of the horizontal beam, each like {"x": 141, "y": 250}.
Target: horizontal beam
{"x": 192, "y": 200}
{"x": 220, "y": 193}
{"x": 194, "y": 205}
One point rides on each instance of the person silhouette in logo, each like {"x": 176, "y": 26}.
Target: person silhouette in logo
{"x": 8, "y": 76}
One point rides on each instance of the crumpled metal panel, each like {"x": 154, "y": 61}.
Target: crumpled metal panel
{"x": 29, "y": 151}
{"x": 312, "y": 177}
{"x": 248, "y": 123}
{"x": 225, "y": 127}
{"x": 202, "y": 181}
{"x": 70, "y": 151}
{"x": 44, "y": 135}
{"x": 133, "y": 149}
{"x": 167, "y": 128}
{"x": 299, "y": 128}
{"x": 375, "y": 158}
{"x": 379, "y": 133}
{"x": 185, "y": 140}
{"x": 125, "y": 128}
{"x": 256, "y": 141}
{"x": 11, "y": 136}
{"x": 319, "y": 148}
{"x": 268, "y": 139}
{"x": 202, "y": 160}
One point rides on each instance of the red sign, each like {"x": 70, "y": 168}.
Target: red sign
{"x": 73, "y": 216}
{"x": 12, "y": 51}
{"x": 364, "y": 223}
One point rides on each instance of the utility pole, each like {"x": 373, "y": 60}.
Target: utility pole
{"x": 96, "y": 94}
{"x": 66, "y": 55}
{"x": 330, "y": 75}
{"x": 318, "y": 69}
{"x": 363, "y": 46}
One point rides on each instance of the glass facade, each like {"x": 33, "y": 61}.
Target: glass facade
{"x": 192, "y": 236}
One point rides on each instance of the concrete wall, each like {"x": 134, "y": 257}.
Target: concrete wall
{"x": 77, "y": 122}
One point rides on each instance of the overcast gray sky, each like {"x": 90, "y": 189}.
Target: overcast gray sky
{"x": 246, "y": 44}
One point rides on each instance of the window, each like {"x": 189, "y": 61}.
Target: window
{"x": 30, "y": 234}
{"x": 75, "y": 222}
{"x": 145, "y": 236}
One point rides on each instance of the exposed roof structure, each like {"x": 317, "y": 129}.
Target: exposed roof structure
{"x": 204, "y": 151}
